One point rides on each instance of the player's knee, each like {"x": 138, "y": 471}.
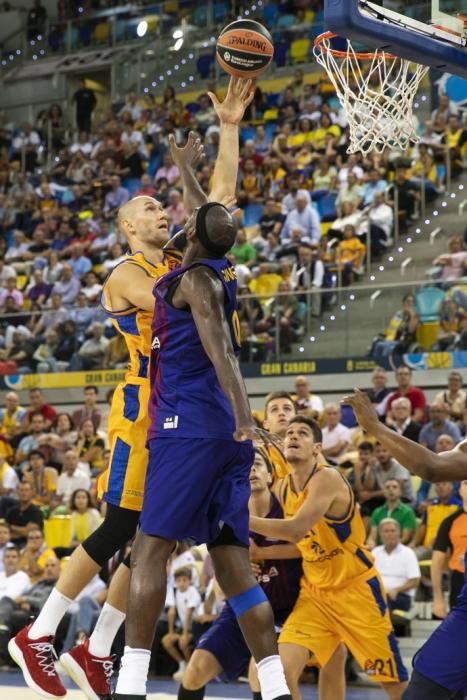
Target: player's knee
{"x": 336, "y": 663}
{"x": 197, "y": 673}
{"x": 118, "y": 528}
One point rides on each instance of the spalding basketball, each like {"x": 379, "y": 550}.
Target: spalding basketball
{"x": 244, "y": 48}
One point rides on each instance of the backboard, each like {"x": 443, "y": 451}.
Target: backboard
{"x": 431, "y": 32}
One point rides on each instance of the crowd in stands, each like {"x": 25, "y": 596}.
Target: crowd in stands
{"x": 51, "y": 461}
{"x": 307, "y": 212}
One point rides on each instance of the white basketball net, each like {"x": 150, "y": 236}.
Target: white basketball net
{"x": 376, "y": 91}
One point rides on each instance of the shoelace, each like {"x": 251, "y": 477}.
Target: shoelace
{"x": 107, "y": 667}
{"x": 46, "y": 655}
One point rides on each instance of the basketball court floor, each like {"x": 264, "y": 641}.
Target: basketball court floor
{"x": 12, "y": 688}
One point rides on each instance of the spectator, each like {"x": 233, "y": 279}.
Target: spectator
{"x": 380, "y": 224}
{"x": 26, "y": 144}
{"x": 12, "y": 416}
{"x": 89, "y": 410}
{"x": 400, "y": 333}
{"x": 43, "y": 480}
{"x": 61, "y": 439}
{"x": 443, "y": 444}
{"x": 415, "y": 396}
{"x": 450, "y": 539}
{"x": 454, "y": 397}
{"x": 32, "y": 442}
{"x": 438, "y": 425}
{"x": 5, "y": 542}
{"x": 409, "y": 197}
{"x": 305, "y": 401}
{"x": 37, "y": 17}
{"x": 68, "y": 286}
{"x": 79, "y": 263}
{"x": 35, "y": 554}
{"x": 131, "y": 106}
{"x": 402, "y": 422}
{"x": 374, "y": 185}
{"x": 388, "y": 468}
{"x": 71, "y": 478}
{"x": 350, "y": 255}
{"x": 379, "y": 394}
{"x": 453, "y": 263}
{"x": 303, "y": 217}
{"x": 446, "y": 108}
{"x": 90, "y": 447}
{"x": 91, "y": 354}
{"x": 436, "y": 511}
{"x": 116, "y": 257}
{"x": 85, "y": 518}
{"x": 115, "y": 198}
{"x": 271, "y": 220}
{"x": 245, "y": 252}
{"x": 91, "y": 289}
{"x": 38, "y": 291}
{"x": 395, "y": 509}
{"x": 175, "y": 211}
{"x": 309, "y": 273}
{"x": 351, "y": 191}
{"x": 13, "y": 581}
{"x": 168, "y": 170}
{"x": 397, "y": 565}
{"x": 11, "y": 291}
{"x": 336, "y": 437}
{"x": 178, "y": 639}
{"x": 38, "y": 405}
{"x": 350, "y": 216}
{"x": 24, "y": 516}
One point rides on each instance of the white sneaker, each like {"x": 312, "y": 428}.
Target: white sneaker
{"x": 178, "y": 675}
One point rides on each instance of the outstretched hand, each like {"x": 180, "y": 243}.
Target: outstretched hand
{"x": 190, "y": 154}
{"x": 239, "y": 95}
{"x": 252, "y": 432}
{"x": 363, "y": 409}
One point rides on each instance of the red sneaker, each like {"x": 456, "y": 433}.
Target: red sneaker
{"x": 36, "y": 658}
{"x": 90, "y": 673}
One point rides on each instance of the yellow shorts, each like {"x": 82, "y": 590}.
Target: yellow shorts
{"x": 122, "y": 484}
{"x": 356, "y": 615}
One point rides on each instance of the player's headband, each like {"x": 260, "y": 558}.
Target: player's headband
{"x": 201, "y": 229}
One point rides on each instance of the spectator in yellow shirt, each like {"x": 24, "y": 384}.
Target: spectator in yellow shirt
{"x": 350, "y": 254}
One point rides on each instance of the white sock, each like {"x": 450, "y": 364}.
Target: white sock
{"x": 271, "y": 678}
{"x": 133, "y": 674}
{"x": 50, "y": 616}
{"x": 107, "y": 626}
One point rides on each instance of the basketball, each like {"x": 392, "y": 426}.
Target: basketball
{"x": 244, "y": 49}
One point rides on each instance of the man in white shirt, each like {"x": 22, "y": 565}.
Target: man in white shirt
{"x": 303, "y": 216}
{"x": 8, "y": 479}
{"x": 336, "y": 437}
{"x": 289, "y": 201}
{"x": 13, "y": 582}
{"x": 71, "y": 478}
{"x": 305, "y": 401}
{"x": 397, "y": 565}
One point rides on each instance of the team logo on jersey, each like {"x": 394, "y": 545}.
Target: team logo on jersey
{"x": 156, "y": 343}
{"x": 171, "y": 423}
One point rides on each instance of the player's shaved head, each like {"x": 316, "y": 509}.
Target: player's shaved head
{"x": 143, "y": 222}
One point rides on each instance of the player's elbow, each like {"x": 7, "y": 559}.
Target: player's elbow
{"x": 297, "y": 532}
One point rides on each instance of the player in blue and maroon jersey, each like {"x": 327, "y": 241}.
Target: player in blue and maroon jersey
{"x": 200, "y": 453}
{"x": 222, "y": 650}
{"x": 440, "y": 666}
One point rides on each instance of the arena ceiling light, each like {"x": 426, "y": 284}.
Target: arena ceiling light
{"x": 178, "y": 44}
{"x": 142, "y": 28}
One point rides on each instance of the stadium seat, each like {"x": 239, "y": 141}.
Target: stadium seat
{"x": 247, "y": 133}
{"x": 200, "y": 16}
{"x": 101, "y": 33}
{"x": 120, "y": 30}
{"x": 327, "y": 207}
{"x": 272, "y": 99}
{"x": 85, "y": 34}
{"x": 270, "y": 13}
{"x": 281, "y": 50}
{"x": 428, "y": 303}
{"x": 299, "y": 49}
{"x": 57, "y": 531}
{"x": 252, "y": 214}
{"x": 192, "y": 107}
{"x": 219, "y": 12}
{"x": 271, "y": 114}
{"x": 204, "y": 64}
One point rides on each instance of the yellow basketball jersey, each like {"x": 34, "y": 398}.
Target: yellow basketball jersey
{"x": 122, "y": 484}
{"x": 133, "y": 323}
{"x": 334, "y": 550}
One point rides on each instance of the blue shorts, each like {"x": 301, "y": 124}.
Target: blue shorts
{"x": 194, "y": 486}
{"x": 443, "y": 657}
{"x": 225, "y": 641}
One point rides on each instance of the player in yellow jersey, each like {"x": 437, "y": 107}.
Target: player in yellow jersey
{"x": 279, "y": 408}
{"x": 342, "y": 599}
{"x": 128, "y": 300}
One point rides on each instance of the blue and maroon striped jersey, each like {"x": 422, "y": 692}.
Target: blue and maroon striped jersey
{"x": 186, "y": 397}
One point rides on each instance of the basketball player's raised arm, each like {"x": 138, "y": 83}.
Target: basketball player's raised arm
{"x": 239, "y": 95}
{"x": 320, "y": 495}
{"x": 204, "y": 293}
{"x": 446, "y": 466}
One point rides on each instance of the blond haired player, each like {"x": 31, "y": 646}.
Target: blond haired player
{"x": 129, "y": 302}
{"x": 342, "y": 599}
